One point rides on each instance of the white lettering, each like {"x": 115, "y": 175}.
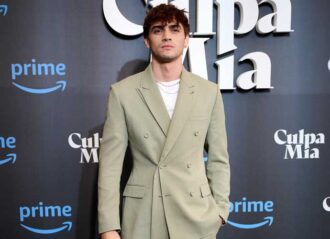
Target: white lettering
{"x": 260, "y": 77}
{"x": 89, "y": 155}
{"x": 197, "y": 56}
{"x": 326, "y": 205}
{"x": 182, "y": 4}
{"x": 249, "y": 16}
{"x": 88, "y": 146}
{"x": 117, "y": 21}
{"x": 277, "y": 137}
{"x": 298, "y": 145}
{"x": 71, "y": 141}
{"x": 155, "y": 3}
{"x": 204, "y": 16}
{"x": 312, "y": 153}
{"x": 279, "y": 21}
{"x": 226, "y": 73}
{"x": 225, "y": 26}
{"x": 320, "y": 139}
{"x": 292, "y": 151}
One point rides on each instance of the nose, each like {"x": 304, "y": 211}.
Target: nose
{"x": 167, "y": 34}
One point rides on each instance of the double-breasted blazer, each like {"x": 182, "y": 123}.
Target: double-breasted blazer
{"x": 194, "y": 193}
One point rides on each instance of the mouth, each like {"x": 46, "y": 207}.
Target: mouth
{"x": 167, "y": 46}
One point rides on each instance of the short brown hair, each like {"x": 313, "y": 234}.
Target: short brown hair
{"x": 165, "y": 13}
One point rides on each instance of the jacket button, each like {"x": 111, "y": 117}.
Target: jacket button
{"x": 188, "y": 165}
{"x": 196, "y": 133}
{"x": 146, "y": 135}
{"x": 191, "y": 194}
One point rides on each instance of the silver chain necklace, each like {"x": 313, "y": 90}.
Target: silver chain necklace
{"x": 168, "y": 85}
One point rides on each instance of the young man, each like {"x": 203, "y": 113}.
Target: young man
{"x": 167, "y": 116}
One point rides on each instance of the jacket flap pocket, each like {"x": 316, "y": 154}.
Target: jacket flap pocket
{"x": 135, "y": 191}
{"x": 205, "y": 190}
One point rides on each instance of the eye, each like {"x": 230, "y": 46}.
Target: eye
{"x": 156, "y": 30}
{"x": 175, "y": 28}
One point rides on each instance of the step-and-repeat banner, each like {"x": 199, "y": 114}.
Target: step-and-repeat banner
{"x": 270, "y": 58}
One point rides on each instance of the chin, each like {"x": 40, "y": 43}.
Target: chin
{"x": 166, "y": 59}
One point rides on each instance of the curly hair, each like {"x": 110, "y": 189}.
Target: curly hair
{"x": 165, "y": 13}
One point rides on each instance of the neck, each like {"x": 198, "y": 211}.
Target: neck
{"x": 167, "y": 71}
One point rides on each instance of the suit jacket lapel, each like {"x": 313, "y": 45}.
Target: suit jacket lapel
{"x": 184, "y": 103}
{"x": 154, "y": 101}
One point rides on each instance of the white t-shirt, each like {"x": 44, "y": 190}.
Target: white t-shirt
{"x": 169, "y": 91}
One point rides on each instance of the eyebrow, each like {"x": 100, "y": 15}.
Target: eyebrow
{"x": 162, "y": 26}
{"x": 174, "y": 25}
{"x": 156, "y": 26}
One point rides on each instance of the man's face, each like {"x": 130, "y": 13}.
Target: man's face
{"x": 166, "y": 41}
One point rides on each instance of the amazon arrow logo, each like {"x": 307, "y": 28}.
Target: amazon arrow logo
{"x": 44, "y": 211}
{"x": 267, "y": 221}
{"x": 41, "y": 71}
{"x": 3, "y": 9}
{"x": 8, "y": 143}
{"x": 66, "y": 226}
{"x": 60, "y": 85}
{"x": 10, "y": 157}
{"x": 246, "y": 206}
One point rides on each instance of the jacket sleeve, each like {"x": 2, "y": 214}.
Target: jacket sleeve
{"x": 218, "y": 168}
{"x": 112, "y": 153}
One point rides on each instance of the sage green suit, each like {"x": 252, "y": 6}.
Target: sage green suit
{"x": 170, "y": 191}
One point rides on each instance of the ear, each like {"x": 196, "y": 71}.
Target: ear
{"x": 186, "y": 41}
{"x": 146, "y": 42}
